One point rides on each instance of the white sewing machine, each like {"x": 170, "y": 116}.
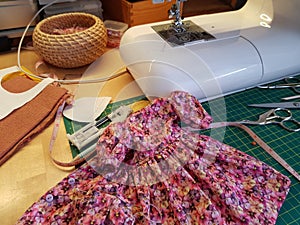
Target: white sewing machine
{"x": 215, "y": 54}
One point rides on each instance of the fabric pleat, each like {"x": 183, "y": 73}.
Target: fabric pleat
{"x": 152, "y": 170}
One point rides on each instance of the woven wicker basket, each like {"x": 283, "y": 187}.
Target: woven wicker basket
{"x": 70, "y": 50}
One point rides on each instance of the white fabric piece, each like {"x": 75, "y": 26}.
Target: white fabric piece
{"x": 11, "y": 101}
{"x": 86, "y": 109}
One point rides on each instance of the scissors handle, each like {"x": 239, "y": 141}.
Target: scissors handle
{"x": 289, "y": 82}
{"x": 280, "y": 114}
{"x": 284, "y": 118}
{"x": 293, "y": 80}
{"x": 296, "y": 89}
{"x": 291, "y": 125}
{"x": 272, "y": 116}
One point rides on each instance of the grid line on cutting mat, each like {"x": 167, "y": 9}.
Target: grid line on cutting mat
{"x": 284, "y": 143}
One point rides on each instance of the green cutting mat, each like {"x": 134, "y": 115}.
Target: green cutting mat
{"x": 286, "y": 144}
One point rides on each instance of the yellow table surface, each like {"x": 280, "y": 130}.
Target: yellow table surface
{"x": 27, "y": 175}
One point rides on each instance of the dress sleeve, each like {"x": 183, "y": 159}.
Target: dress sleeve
{"x": 190, "y": 110}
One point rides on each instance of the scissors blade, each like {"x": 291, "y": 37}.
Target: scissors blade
{"x": 286, "y": 105}
{"x": 290, "y": 97}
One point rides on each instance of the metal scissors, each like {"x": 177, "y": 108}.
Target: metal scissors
{"x": 282, "y": 117}
{"x": 284, "y": 105}
{"x": 290, "y": 82}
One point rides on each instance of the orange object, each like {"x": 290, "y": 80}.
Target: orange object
{"x": 26, "y": 122}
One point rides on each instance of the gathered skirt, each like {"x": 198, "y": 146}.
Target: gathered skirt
{"x": 151, "y": 169}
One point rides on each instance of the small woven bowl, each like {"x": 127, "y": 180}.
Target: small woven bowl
{"x": 74, "y": 49}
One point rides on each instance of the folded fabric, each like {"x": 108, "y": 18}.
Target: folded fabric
{"x": 151, "y": 170}
{"x": 19, "y": 127}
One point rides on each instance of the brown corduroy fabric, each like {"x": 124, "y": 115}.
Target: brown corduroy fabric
{"x": 19, "y": 127}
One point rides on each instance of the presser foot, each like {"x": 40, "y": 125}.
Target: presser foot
{"x": 187, "y": 32}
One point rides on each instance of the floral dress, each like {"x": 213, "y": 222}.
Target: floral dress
{"x": 151, "y": 169}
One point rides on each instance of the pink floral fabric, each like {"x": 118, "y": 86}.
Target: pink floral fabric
{"x": 151, "y": 169}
